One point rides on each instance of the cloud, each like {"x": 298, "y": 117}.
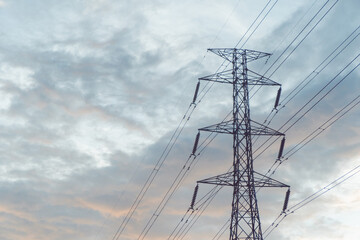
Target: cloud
{"x": 93, "y": 90}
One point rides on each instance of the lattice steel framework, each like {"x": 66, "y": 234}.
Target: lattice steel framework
{"x": 245, "y": 218}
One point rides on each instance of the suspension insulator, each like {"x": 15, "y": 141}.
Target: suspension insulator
{"x": 196, "y": 143}
{"x": 281, "y": 148}
{"x": 194, "y": 197}
{"x": 277, "y": 98}
{"x": 286, "y": 200}
{"x": 196, "y": 92}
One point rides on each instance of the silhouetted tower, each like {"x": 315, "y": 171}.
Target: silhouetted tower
{"x": 245, "y": 218}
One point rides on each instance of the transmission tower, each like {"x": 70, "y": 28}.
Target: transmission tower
{"x": 245, "y": 217}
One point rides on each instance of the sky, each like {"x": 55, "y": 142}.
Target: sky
{"x": 92, "y": 92}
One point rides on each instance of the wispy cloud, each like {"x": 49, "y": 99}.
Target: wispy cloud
{"x": 93, "y": 90}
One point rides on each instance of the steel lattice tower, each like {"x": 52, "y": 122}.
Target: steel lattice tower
{"x": 245, "y": 218}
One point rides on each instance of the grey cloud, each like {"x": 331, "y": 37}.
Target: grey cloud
{"x": 106, "y": 72}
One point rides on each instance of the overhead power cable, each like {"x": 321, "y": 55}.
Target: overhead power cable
{"x": 303, "y": 29}
{"x": 209, "y": 85}
{"x": 311, "y": 198}
{"x": 237, "y": 44}
{"x": 201, "y": 210}
{"x": 184, "y": 171}
{"x": 199, "y": 205}
{"x": 301, "y": 41}
{"x": 337, "y": 116}
{"x": 337, "y": 83}
{"x": 161, "y": 159}
{"x": 316, "y": 71}
{"x": 322, "y": 97}
{"x": 325, "y": 189}
{"x": 222, "y": 230}
{"x": 312, "y": 106}
{"x": 340, "y": 81}
{"x": 154, "y": 172}
{"x": 191, "y": 216}
{"x": 321, "y": 66}
{"x": 226, "y": 21}
{"x": 169, "y": 194}
{"x": 254, "y": 30}
{"x": 202, "y": 94}
{"x": 294, "y": 27}
{"x": 315, "y": 133}
{"x": 309, "y": 78}
{"x": 334, "y": 54}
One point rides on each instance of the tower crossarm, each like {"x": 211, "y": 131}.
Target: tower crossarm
{"x": 260, "y": 181}
{"x": 257, "y": 79}
{"x": 265, "y": 181}
{"x": 260, "y": 129}
{"x": 227, "y": 127}
{"x": 253, "y": 78}
{"x": 223, "y": 127}
{"x": 225, "y": 179}
{"x": 221, "y": 77}
{"x": 228, "y": 53}
{"x": 245, "y": 217}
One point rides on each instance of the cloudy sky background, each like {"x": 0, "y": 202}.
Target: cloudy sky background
{"x": 92, "y": 92}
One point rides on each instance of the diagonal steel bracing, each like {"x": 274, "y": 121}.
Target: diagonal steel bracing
{"x": 245, "y": 218}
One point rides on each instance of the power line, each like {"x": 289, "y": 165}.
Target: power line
{"x": 154, "y": 172}
{"x": 160, "y": 162}
{"x": 344, "y": 77}
{"x": 226, "y": 21}
{"x": 337, "y": 85}
{"x": 190, "y": 114}
{"x": 323, "y": 127}
{"x": 337, "y": 116}
{"x": 249, "y": 28}
{"x": 293, "y": 28}
{"x": 191, "y": 161}
{"x": 222, "y": 230}
{"x": 203, "y": 207}
{"x": 311, "y": 136}
{"x": 207, "y": 88}
{"x": 127, "y": 218}
{"x": 312, "y": 198}
{"x": 301, "y": 41}
{"x": 302, "y": 30}
{"x": 311, "y": 107}
{"x": 317, "y": 70}
{"x": 317, "y": 23}
{"x": 255, "y": 22}
{"x": 309, "y": 78}
{"x": 243, "y": 179}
